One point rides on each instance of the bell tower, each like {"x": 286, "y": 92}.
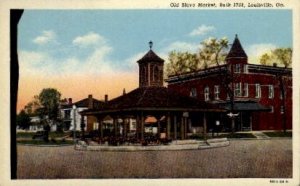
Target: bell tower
{"x": 151, "y": 69}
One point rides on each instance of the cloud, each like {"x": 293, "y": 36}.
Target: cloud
{"x": 256, "y": 50}
{"x": 46, "y": 37}
{"x": 182, "y": 46}
{"x": 202, "y": 30}
{"x": 90, "y": 39}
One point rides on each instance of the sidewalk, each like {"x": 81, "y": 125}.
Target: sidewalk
{"x": 174, "y": 145}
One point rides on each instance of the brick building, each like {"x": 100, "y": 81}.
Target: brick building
{"x": 261, "y": 95}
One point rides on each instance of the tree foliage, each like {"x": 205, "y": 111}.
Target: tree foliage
{"x": 49, "y": 100}
{"x": 212, "y": 52}
{"x": 281, "y": 56}
{"x": 23, "y": 120}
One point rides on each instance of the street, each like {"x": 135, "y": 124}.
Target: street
{"x": 241, "y": 159}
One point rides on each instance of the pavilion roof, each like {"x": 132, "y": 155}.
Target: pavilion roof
{"x": 155, "y": 98}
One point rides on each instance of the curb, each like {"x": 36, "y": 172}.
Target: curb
{"x": 132, "y": 148}
{"x": 63, "y": 145}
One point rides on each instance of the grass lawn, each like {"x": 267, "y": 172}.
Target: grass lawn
{"x": 237, "y": 135}
{"x": 51, "y": 134}
{"x": 42, "y": 142}
{"x": 279, "y": 134}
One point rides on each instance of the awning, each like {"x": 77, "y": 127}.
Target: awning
{"x": 245, "y": 106}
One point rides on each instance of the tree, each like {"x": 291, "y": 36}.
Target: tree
{"x": 281, "y": 56}
{"x": 49, "y": 100}
{"x": 212, "y": 53}
{"x": 23, "y": 120}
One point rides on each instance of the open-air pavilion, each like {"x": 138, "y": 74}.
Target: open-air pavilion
{"x": 179, "y": 112}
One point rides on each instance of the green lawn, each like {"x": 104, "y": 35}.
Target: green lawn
{"x": 42, "y": 142}
{"x": 279, "y": 134}
{"x": 237, "y": 135}
{"x": 51, "y": 134}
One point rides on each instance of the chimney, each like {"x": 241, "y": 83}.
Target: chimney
{"x": 90, "y": 101}
{"x": 105, "y": 98}
{"x": 124, "y": 91}
{"x": 274, "y": 64}
{"x": 70, "y": 101}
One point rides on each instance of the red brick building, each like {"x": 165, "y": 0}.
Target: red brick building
{"x": 261, "y": 95}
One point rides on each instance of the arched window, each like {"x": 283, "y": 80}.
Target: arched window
{"x": 155, "y": 73}
{"x": 206, "y": 93}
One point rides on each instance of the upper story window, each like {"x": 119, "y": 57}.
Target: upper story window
{"x": 271, "y": 91}
{"x": 245, "y": 68}
{"x": 193, "y": 92}
{"x": 246, "y": 90}
{"x": 155, "y": 73}
{"x": 238, "y": 89}
{"x": 206, "y": 93}
{"x": 67, "y": 114}
{"x": 237, "y": 68}
{"x": 217, "y": 92}
{"x": 257, "y": 91}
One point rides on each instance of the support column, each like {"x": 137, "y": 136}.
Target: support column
{"x": 168, "y": 125}
{"x": 115, "y": 126}
{"x": 158, "y": 127}
{"x": 175, "y": 127}
{"x": 182, "y": 128}
{"x": 204, "y": 126}
{"x": 137, "y": 126}
{"x": 124, "y": 127}
{"x": 100, "y": 127}
{"x": 142, "y": 126}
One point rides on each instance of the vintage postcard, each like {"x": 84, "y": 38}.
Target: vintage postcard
{"x": 155, "y": 93}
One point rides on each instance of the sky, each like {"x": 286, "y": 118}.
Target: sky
{"x": 82, "y": 52}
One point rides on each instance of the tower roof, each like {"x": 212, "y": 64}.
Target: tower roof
{"x": 236, "y": 50}
{"x": 150, "y": 57}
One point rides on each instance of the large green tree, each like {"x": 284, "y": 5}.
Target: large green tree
{"x": 49, "y": 99}
{"x": 23, "y": 120}
{"x": 212, "y": 52}
{"x": 280, "y": 56}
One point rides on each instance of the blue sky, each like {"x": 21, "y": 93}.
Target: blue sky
{"x": 68, "y": 43}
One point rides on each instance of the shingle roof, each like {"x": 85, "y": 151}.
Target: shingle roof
{"x": 156, "y": 98}
{"x": 236, "y": 50}
{"x": 85, "y": 103}
{"x": 150, "y": 57}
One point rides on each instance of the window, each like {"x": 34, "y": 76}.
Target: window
{"x": 272, "y": 109}
{"x": 95, "y": 126}
{"x": 271, "y": 91}
{"x": 257, "y": 91}
{"x": 217, "y": 92}
{"x": 246, "y": 90}
{"x": 67, "y": 114}
{"x": 155, "y": 73}
{"x": 281, "y": 110}
{"x": 237, "y": 89}
{"x": 245, "y": 68}
{"x": 193, "y": 92}
{"x": 206, "y": 93}
{"x": 237, "y": 68}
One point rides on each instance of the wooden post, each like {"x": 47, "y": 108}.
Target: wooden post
{"x": 168, "y": 125}
{"x": 204, "y": 126}
{"x": 175, "y": 127}
{"x": 137, "y": 126}
{"x": 142, "y": 126}
{"x": 158, "y": 127}
{"x": 115, "y": 126}
{"x": 182, "y": 128}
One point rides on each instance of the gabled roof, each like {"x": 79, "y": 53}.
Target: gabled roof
{"x": 150, "y": 57}
{"x": 155, "y": 98}
{"x": 85, "y": 103}
{"x": 236, "y": 50}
